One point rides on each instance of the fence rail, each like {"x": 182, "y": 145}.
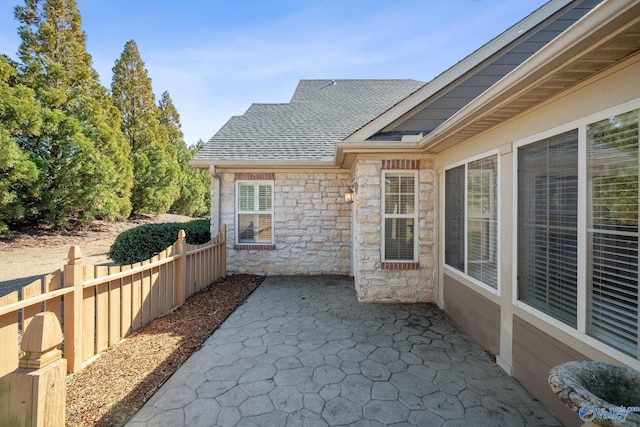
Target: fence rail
{"x": 99, "y": 305}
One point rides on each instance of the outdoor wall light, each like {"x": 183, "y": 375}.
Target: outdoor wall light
{"x": 349, "y": 195}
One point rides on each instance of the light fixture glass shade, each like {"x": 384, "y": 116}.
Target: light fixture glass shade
{"x": 348, "y": 196}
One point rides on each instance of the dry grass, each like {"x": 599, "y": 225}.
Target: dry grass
{"x": 112, "y": 388}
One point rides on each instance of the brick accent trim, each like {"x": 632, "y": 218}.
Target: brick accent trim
{"x": 255, "y": 176}
{"x": 255, "y": 247}
{"x": 401, "y": 164}
{"x": 400, "y": 266}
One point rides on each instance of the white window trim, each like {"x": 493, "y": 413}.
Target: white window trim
{"x": 384, "y": 215}
{"x": 237, "y": 212}
{"x": 497, "y": 290}
{"x": 582, "y": 307}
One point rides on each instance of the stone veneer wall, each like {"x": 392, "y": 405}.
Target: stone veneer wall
{"x": 374, "y": 281}
{"x": 312, "y": 226}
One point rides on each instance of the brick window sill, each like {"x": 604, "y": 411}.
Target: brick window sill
{"x": 400, "y": 266}
{"x": 254, "y": 247}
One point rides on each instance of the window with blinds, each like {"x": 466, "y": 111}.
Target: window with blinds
{"x": 399, "y": 216}
{"x": 254, "y": 212}
{"x": 548, "y": 226}
{"x": 612, "y": 231}
{"x": 454, "y": 223}
{"x": 471, "y": 219}
{"x": 482, "y": 220}
{"x": 548, "y": 210}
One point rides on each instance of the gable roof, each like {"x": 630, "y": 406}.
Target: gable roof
{"x": 320, "y": 113}
{"x": 313, "y": 129}
{"x": 606, "y": 36}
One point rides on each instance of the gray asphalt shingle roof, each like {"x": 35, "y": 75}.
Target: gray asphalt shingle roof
{"x": 307, "y": 128}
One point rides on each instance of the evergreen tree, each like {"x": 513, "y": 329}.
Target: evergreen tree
{"x": 194, "y": 198}
{"x": 170, "y": 119}
{"x": 202, "y": 185}
{"x": 87, "y": 172}
{"x": 155, "y": 166}
{"x": 20, "y": 117}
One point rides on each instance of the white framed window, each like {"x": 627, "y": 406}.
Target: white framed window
{"x": 254, "y": 212}
{"x": 471, "y": 219}
{"x": 399, "y": 216}
{"x": 548, "y": 226}
{"x": 577, "y": 228}
{"x": 612, "y": 231}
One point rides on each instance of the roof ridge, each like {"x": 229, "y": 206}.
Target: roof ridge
{"x": 307, "y": 127}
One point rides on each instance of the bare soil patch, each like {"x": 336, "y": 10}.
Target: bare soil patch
{"x": 36, "y": 251}
{"x": 110, "y": 390}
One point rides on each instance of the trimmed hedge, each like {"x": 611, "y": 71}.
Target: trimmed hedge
{"x": 143, "y": 242}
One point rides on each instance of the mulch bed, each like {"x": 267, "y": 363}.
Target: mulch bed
{"x": 109, "y": 391}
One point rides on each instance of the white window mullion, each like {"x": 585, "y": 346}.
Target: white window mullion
{"x": 498, "y": 232}
{"x": 466, "y": 217}
{"x": 583, "y": 182}
{"x": 416, "y": 219}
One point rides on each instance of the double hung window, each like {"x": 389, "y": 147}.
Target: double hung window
{"x": 400, "y": 216}
{"x": 254, "y": 212}
{"x": 548, "y": 226}
{"x": 612, "y": 231}
{"x": 471, "y": 219}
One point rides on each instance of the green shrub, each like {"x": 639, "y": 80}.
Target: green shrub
{"x": 198, "y": 231}
{"x": 143, "y": 242}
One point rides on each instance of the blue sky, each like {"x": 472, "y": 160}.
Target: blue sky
{"x": 217, "y": 57}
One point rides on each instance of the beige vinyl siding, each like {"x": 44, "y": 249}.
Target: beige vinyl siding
{"x": 534, "y": 354}
{"x": 479, "y": 316}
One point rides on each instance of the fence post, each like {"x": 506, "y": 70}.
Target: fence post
{"x": 223, "y": 237}
{"x": 73, "y": 277}
{"x": 35, "y": 393}
{"x": 180, "y": 269}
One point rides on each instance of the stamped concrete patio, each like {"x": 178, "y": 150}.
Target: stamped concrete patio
{"x": 303, "y": 352}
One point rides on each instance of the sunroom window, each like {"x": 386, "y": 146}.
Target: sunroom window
{"x": 548, "y": 226}
{"x": 471, "y": 219}
{"x": 612, "y": 153}
{"x": 549, "y": 229}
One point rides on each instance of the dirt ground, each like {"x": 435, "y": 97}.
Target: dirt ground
{"x": 35, "y": 252}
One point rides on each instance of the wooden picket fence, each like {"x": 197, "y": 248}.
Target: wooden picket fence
{"x": 99, "y": 305}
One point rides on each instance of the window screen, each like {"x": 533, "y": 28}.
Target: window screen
{"x": 547, "y": 226}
